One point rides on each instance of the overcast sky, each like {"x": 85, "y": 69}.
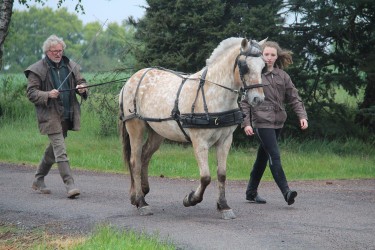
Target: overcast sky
{"x": 98, "y": 10}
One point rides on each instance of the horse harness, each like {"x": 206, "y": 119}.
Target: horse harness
{"x": 199, "y": 120}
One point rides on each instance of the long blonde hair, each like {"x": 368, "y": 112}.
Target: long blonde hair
{"x": 284, "y": 57}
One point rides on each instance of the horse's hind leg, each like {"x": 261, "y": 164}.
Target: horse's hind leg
{"x": 222, "y": 150}
{"x": 152, "y": 144}
{"x": 136, "y": 129}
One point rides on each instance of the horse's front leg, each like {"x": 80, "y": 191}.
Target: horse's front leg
{"x": 222, "y": 150}
{"x": 201, "y": 154}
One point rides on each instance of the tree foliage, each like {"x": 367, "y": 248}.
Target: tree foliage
{"x": 93, "y": 46}
{"x": 335, "y": 40}
{"x": 29, "y": 29}
{"x": 6, "y": 7}
{"x": 181, "y": 34}
{"x": 332, "y": 41}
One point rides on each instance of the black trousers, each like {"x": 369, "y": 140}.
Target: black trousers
{"x": 268, "y": 151}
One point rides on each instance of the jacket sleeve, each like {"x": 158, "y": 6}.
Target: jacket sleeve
{"x": 246, "y": 110}
{"x": 34, "y": 94}
{"x": 293, "y": 99}
{"x": 79, "y": 79}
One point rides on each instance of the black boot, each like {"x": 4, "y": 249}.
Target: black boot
{"x": 67, "y": 177}
{"x": 256, "y": 174}
{"x": 254, "y": 197}
{"x": 289, "y": 196}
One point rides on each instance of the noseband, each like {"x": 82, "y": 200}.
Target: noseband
{"x": 254, "y": 51}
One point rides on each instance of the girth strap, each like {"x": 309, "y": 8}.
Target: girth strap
{"x": 215, "y": 120}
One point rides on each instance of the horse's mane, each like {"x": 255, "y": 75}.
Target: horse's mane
{"x": 223, "y": 47}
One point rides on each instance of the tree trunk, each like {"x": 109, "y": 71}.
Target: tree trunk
{"x": 6, "y": 7}
{"x": 366, "y": 114}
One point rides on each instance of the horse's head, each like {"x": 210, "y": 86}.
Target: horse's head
{"x": 250, "y": 65}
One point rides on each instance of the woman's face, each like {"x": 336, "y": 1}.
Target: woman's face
{"x": 269, "y": 56}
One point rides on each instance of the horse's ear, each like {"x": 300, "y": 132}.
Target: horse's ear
{"x": 263, "y": 41}
{"x": 244, "y": 44}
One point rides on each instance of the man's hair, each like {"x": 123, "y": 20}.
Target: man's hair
{"x": 52, "y": 41}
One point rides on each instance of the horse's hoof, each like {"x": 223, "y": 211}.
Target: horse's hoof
{"x": 146, "y": 210}
{"x": 186, "y": 201}
{"x": 228, "y": 214}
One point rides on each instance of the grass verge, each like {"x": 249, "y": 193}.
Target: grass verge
{"x": 104, "y": 237}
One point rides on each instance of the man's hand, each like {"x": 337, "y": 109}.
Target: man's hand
{"x": 53, "y": 94}
{"x": 81, "y": 88}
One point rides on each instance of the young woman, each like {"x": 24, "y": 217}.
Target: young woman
{"x": 267, "y": 120}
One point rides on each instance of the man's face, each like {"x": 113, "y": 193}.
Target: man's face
{"x": 55, "y": 53}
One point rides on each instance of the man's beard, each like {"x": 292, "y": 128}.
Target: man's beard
{"x": 56, "y": 60}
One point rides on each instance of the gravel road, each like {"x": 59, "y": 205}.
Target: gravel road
{"x": 326, "y": 215}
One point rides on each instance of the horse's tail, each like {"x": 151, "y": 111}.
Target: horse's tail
{"x": 126, "y": 149}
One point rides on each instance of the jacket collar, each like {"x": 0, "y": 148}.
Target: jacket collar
{"x": 275, "y": 71}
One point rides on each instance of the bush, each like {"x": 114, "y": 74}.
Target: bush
{"x": 14, "y": 104}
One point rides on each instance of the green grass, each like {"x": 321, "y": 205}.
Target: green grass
{"x": 310, "y": 160}
{"x": 103, "y": 237}
{"x": 106, "y": 237}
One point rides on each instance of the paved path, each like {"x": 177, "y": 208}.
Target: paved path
{"x": 326, "y": 215}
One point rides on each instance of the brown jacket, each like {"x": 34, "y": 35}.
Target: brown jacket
{"x": 50, "y": 111}
{"x": 278, "y": 90}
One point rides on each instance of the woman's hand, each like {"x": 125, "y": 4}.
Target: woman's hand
{"x": 303, "y": 124}
{"x": 249, "y": 130}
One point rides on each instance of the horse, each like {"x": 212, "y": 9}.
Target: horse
{"x": 202, "y": 108}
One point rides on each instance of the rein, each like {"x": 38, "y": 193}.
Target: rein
{"x": 95, "y": 85}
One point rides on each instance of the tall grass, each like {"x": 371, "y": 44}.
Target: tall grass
{"x": 103, "y": 237}
{"x": 107, "y": 237}
{"x": 87, "y": 149}
{"x": 94, "y": 149}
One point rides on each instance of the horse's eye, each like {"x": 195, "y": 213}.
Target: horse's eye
{"x": 264, "y": 70}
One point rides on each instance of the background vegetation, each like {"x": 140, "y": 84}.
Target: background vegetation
{"x": 331, "y": 41}
{"x": 97, "y": 146}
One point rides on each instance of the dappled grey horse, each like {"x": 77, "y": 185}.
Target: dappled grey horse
{"x": 201, "y": 108}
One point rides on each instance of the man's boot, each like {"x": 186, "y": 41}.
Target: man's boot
{"x": 43, "y": 169}
{"x": 67, "y": 177}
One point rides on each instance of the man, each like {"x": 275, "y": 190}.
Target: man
{"x": 57, "y": 110}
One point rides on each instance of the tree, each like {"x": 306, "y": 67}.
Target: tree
{"x": 181, "y": 34}
{"x": 6, "y": 7}
{"x": 335, "y": 41}
{"x": 112, "y": 49}
{"x": 30, "y": 28}
{"x": 95, "y": 46}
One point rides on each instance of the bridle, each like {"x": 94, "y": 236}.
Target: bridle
{"x": 254, "y": 51}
